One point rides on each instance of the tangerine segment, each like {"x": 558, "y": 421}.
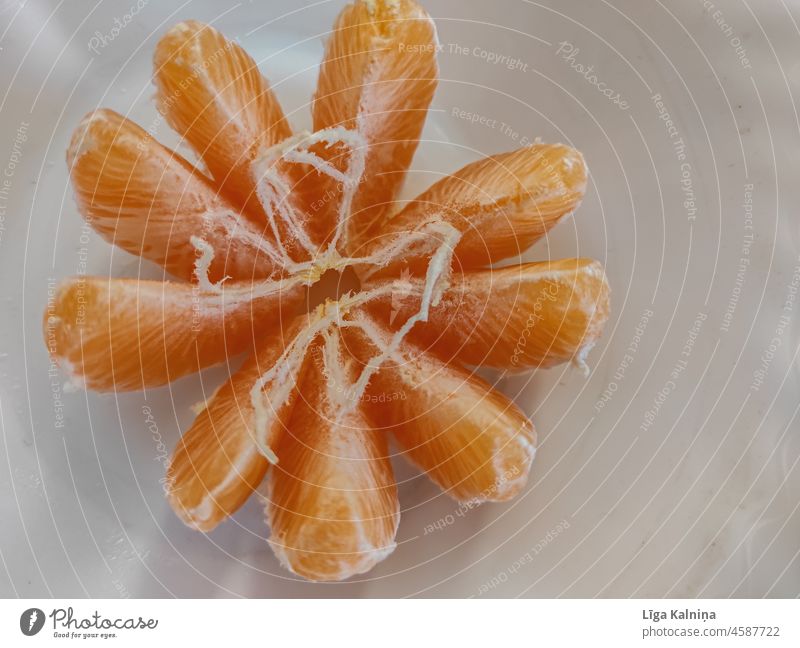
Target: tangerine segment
{"x": 470, "y": 439}
{"x": 126, "y": 334}
{"x": 217, "y": 464}
{"x": 333, "y": 505}
{"x": 517, "y": 318}
{"x": 503, "y": 204}
{"x": 212, "y": 93}
{"x": 149, "y": 201}
{"x": 377, "y": 77}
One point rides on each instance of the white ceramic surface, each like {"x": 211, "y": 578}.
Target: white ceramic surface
{"x": 701, "y": 501}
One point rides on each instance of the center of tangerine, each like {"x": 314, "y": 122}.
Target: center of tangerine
{"x": 331, "y": 286}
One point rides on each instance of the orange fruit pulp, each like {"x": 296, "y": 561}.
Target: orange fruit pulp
{"x": 326, "y": 381}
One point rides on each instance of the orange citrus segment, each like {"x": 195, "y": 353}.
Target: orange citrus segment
{"x": 149, "y": 201}
{"x": 333, "y": 505}
{"x": 470, "y": 439}
{"x": 217, "y": 464}
{"x": 517, "y": 318}
{"x": 212, "y": 93}
{"x": 124, "y": 334}
{"x": 503, "y": 204}
{"x": 378, "y": 77}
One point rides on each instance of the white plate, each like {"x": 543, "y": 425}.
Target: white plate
{"x": 702, "y": 501}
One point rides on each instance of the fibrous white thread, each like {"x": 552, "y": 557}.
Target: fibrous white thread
{"x": 273, "y": 389}
{"x": 275, "y": 386}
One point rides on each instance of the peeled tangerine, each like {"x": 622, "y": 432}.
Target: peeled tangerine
{"x": 253, "y": 242}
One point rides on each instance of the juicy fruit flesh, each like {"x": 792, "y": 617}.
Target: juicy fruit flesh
{"x": 125, "y": 334}
{"x": 520, "y": 317}
{"x": 206, "y": 486}
{"x": 131, "y": 188}
{"x": 378, "y": 76}
{"x": 288, "y": 223}
{"x": 502, "y": 204}
{"x": 332, "y": 506}
{"x": 468, "y": 438}
{"x": 227, "y": 111}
